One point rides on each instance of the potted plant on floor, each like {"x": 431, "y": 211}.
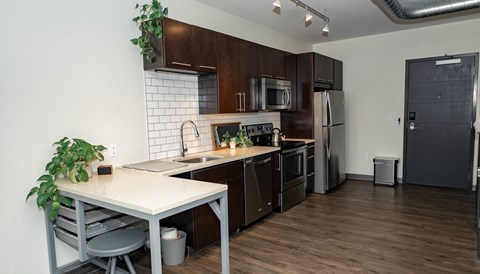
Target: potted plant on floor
{"x": 150, "y": 24}
{"x": 73, "y": 159}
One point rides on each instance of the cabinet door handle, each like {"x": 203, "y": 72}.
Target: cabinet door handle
{"x": 181, "y": 64}
{"x": 321, "y": 79}
{"x": 280, "y": 77}
{"x": 207, "y": 67}
{"x": 266, "y": 75}
{"x": 239, "y": 101}
{"x": 244, "y": 105}
{"x": 310, "y": 157}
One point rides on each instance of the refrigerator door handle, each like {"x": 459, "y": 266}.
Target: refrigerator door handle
{"x": 326, "y": 137}
{"x": 329, "y": 107}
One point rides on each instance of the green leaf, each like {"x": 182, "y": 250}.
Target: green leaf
{"x": 165, "y": 11}
{"x": 53, "y": 214}
{"x": 45, "y": 178}
{"x": 32, "y": 191}
{"x": 66, "y": 201}
{"x": 136, "y": 6}
{"x": 51, "y": 190}
{"x": 150, "y": 28}
{"x": 83, "y": 176}
{"x": 55, "y": 205}
{"x": 42, "y": 200}
{"x": 134, "y": 41}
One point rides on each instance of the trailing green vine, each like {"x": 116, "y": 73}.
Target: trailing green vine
{"x": 149, "y": 22}
{"x": 71, "y": 159}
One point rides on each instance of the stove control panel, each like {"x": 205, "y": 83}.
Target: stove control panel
{"x": 258, "y": 129}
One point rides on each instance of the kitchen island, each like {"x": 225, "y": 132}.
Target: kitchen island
{"x": 152, "y": 197}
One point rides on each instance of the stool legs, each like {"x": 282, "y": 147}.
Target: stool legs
{"x": 129, "y": 264}
{"x": 113, "y": 265}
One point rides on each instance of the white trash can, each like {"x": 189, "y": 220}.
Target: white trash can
{"x": 173, "y": 250}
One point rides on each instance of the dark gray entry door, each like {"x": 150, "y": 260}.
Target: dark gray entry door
{"x": 439, "y": 114}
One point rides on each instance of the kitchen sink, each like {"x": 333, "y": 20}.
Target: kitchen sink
{"x": 197, "y": 160}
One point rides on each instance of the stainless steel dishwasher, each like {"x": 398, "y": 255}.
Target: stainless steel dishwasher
{"x": 258, "y": 187}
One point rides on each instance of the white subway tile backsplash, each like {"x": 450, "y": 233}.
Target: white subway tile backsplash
{"x": 172, "y": 98}
{"x": 157, "y": 82}
{"x": 151, "y": 89}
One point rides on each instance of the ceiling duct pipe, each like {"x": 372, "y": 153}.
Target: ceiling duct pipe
{"x": 427, "y": 8}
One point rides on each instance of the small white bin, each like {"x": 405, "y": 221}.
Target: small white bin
{"x": 385, "y": 171}
{"x": 173, "y": 250}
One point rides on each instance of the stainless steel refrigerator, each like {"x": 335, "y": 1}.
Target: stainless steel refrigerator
{"x": 329, "y": 123}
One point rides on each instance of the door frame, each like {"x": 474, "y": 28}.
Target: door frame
{"x": 473, "y": 152}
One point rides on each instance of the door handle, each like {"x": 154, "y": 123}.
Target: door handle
{"x": 412, "y": 126}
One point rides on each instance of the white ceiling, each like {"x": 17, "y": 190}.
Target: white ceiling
{"x": 348, "y": 18}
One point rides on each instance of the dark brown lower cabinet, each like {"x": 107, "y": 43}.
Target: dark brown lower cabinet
{"x": 310, "y": 168}
{"x": 200, "y": 223}
{"x": 275, "y": 179}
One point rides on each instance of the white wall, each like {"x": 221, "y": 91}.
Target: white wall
{"x": 374, "y": 83}
{"x": 68, "y": 69}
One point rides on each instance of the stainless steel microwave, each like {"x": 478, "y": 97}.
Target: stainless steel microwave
{"x": 273, "y": 94}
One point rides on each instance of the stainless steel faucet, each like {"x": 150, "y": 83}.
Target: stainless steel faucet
{"x": 183, "y": 146}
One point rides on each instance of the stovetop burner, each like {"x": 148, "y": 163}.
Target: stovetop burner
{"x": 261, "y": 135}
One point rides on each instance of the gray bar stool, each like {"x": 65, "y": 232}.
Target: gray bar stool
{"x": 117, "y": 243}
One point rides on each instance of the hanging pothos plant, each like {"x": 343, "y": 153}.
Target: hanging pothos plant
{"x": 150, "y": 24}
{"x": 72, "y": 159}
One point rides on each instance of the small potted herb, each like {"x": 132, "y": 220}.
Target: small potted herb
{"x": 226, "y": 138}
{"x": 73, "y": 159}
{"x": 243, "y": 140}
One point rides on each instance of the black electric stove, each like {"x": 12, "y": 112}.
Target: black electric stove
{"x": 261, "y": 135}
{"x": 291, "y": 162}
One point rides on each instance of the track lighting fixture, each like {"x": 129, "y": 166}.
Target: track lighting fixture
{"x": 309, "y": 12}
{"x": 326, "y": 28}
{"x": 308, "y": 16}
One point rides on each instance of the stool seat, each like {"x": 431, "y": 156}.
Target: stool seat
{"x": 117, "y": 243}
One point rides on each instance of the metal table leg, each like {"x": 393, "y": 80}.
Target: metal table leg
{"x": 155, "y": 245}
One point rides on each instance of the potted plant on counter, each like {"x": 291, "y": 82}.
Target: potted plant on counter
{"x": 73, "y": 159}
{"x": 242, "y": 139}
{"x": 150, "y": 24}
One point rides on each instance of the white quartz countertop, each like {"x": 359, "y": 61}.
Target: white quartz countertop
{"x": 226, "y": 155}
{"x": 152, "y": 192}
{"x": 307, "y": 141}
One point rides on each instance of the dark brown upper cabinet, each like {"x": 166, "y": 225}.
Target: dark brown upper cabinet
{"x": 236, "y": 69}
{"x": 271, "y": 62}
{"x": 204, "y": 49}
{"x": 291, "y": 75}
{"x": 247, "y": 73}
{"x": 323, "y": 71}
{"x": 184, "y": 47}
{"x": 337, "y": 75}
{"x": 228, "y": 62}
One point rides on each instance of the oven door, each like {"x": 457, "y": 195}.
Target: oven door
{"x": 293, "y": 171}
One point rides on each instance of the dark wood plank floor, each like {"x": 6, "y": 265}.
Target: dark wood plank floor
{"x": 359, "y": 228}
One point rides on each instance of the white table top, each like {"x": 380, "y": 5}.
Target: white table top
{"x": 147, "y": 192}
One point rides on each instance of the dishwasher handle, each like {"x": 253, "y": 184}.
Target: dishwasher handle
{"x": 251, "y": 163}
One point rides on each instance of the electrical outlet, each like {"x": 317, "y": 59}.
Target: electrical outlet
{"x": 112, "y": 150}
